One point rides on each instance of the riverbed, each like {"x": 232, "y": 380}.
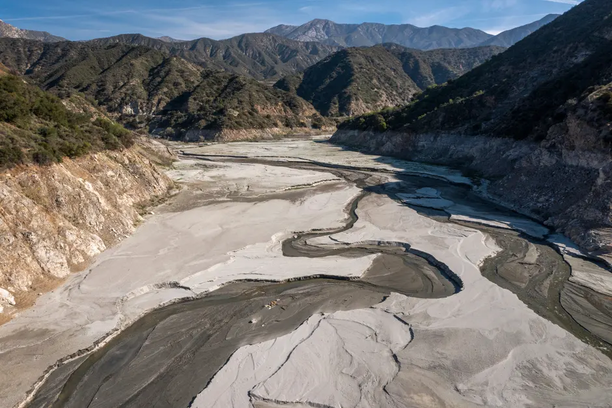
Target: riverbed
{"x": 398, "y": 285}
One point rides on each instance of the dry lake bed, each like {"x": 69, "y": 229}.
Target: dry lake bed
{"x": 295, "y": 273}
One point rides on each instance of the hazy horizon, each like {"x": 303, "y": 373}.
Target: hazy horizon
{"x": 216, "y": 19}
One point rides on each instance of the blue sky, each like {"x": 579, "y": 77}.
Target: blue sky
{"x": 188, "y": 19}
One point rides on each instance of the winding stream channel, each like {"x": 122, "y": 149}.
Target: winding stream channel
{"x": 169, "y": 356}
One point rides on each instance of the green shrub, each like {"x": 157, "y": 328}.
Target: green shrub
{"x": 43, "y": 157}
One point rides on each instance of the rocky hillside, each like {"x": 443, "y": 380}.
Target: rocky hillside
{"x": 260, "y": 56}
{"x": 229, "y": 107}
{"x": 369, "y": 34}
{"x": 358, "y": 80}
{"x": 70, "y": 183}
{"x": 353, "y": 81}
{"x": 8, "y": 31}
{"x": 55, "y": 219}
{"x": 510, "y": 37}
{"x": 536, "y": 120}
{"x": 143, "y": 87}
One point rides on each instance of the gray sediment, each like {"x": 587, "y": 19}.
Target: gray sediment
{"x": 167, "y": 357}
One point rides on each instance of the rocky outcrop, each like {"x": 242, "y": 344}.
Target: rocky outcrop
{"x": 54, "y": 219}
{"x": 560, "y": 181}
{"x": 7, "y": 30}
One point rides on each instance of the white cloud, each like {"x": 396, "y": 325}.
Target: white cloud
{"x": 498, "y": 4}
{"x": 572, "y": 2}
{"x": 438, "y": 17}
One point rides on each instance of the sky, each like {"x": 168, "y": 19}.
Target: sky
{"x": 218, "y": 19}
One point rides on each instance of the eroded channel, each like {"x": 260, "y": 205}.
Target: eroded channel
{"x": 169, "y": 356}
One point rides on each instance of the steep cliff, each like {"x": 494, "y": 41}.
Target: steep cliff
{"x": 54, "y": 219}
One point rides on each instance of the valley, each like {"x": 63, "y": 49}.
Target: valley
{"x": 385, "y": 214}
{"x": 360, "y": 245}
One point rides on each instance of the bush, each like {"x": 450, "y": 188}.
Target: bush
{"x": 43, "y": 157}
{"x": 10, "y": 155}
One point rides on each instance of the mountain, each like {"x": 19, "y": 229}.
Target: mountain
{"x": 369, "y": 34}
{"x": 510, "y": 37}
{"x": 143, "y": 87}
{"x": 354, "y": 81}
{"x": 358, "y": 80}
{"x": 535, "y": 120}
{"x": 222, "y": 105}
{"x": 260, "y": 56}
{"x": 8, "y": 31}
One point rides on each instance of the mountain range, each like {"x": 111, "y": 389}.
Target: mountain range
{"x": 144, "y": 87}
{"x": 407, "y": 35}
{"x": 535, "y": 120}
{"x": 196, "y": 89}
{"x": 260, "y": 56}
{"x": 287, "y": 50}
{"x": 510, "y": 37}
{"x": 354, "y": 81}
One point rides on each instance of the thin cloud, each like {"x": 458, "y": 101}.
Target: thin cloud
{"x": 101, "y": 13}
{"x": 438, "y": 17}
{"x": 572, "y": 2}
{"x": 96, "y": 13}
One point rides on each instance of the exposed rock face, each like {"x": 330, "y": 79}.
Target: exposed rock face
{"x": 565, "y": 186}
{"x": 53, "y": 220}
{"x": 7, "y": 30}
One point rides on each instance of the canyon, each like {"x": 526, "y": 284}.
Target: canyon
{"x": 370, "y": 279}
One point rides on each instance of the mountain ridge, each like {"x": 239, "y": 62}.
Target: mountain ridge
{"x": 510, "y": 37}
{"x": 258, "y": 55}
{"x": 407, "y": 35}
{"x": 354, "y": 81}
{"x": 536, "y": 121}
{"x": 147, "y": 88}
{"x": 9, "y": 31}
{"x": 369, "y": 34}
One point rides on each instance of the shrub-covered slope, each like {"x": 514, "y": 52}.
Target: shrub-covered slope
{"x": 536, "y": 121}
{"x": 36, "y": 127}
{"x": 357, "y": 80}
{"x": 143, "y": 87}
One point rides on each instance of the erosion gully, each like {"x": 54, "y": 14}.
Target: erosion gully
{"x": 170, "y": 355}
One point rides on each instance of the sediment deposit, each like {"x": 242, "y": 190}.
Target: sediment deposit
{"x": 390, "y": 302}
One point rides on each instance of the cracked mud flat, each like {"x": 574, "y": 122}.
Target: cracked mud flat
{"x": 482, "y": 346}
